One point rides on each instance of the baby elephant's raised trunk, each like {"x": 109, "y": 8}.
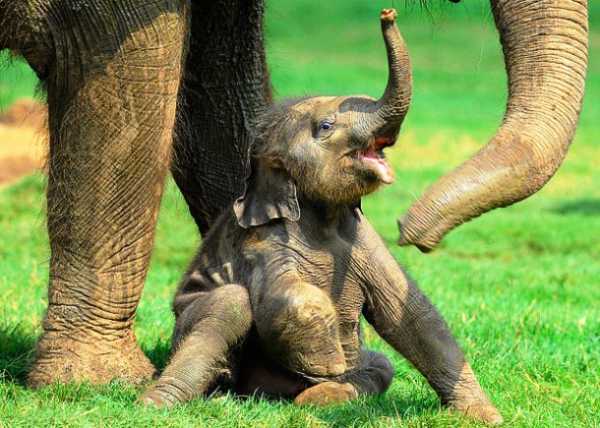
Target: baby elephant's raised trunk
{"x": 384, "y": 117}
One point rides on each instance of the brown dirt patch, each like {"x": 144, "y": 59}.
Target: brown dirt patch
{"x": 25, "y": 113}
{"x": 22, "y": 140}
{"x": 11, "y": 168}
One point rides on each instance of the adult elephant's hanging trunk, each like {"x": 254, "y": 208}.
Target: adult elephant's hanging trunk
{"x": 546, "y": 53}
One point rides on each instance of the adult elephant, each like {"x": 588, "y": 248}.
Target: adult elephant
{"x": 136, "y": 86}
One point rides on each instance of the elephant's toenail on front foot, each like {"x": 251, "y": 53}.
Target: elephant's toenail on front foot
{"x": 154, "y": 399}
{"x": 483, "y": 412}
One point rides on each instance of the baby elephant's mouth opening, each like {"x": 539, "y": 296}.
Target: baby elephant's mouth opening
{"x": 373, "y": 158}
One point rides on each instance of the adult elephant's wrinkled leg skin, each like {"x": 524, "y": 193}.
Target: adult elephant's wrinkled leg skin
{"x": 225, "y": 84}
{"x": 25, "y": 32}
{"x": 112, "y": 93}
{"x": 206, "y": 335}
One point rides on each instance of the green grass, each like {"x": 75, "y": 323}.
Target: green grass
{"x": 17, "y": 80}
{"x": 519, "y": 287}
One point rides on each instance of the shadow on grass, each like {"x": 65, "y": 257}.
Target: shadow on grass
{"x": 587, "y": 207}
{"x": 17, "y": 349}
{"x": 17, "y": 352}
{"x": 366, "y": 410}
{"x": 158, "y": 354}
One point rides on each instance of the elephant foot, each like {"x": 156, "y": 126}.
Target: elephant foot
{"x": 155, "y": 398}
{"x": 327, "y": 393}
{"x": 68, "y": 358}
{"x": 481, "y": 411}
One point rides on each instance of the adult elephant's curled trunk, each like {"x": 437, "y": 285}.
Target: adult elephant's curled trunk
{"x": 545, "y": 44}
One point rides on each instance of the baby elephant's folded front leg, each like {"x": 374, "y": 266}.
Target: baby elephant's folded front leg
{"x": 209, "y": 329}
{"x": 297, "y": 324}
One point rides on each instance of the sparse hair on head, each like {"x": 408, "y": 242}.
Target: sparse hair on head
{"x": 275, "y": 123}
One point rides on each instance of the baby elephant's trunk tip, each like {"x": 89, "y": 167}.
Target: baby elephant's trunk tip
{"x": 388, "y": 112}
{"x": 388, "y": 15}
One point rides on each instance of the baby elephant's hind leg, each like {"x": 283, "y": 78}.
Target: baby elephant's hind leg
{"x": 208, "y": 329}
{"x": 374, "y": 376}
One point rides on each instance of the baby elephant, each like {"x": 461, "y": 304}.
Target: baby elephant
{"x": 273, "y": 300}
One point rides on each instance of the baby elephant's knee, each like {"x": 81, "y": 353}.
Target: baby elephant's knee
{"x": 301, "y": 329}
{"x": 304, "y": 312}
{"x": 226, "y": 309}
{"x": 230, "y": 305}
{"x": 312, "y": 314}
{"x": 231, "y": 296}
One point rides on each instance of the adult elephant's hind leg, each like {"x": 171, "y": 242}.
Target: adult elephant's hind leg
{"x": 206, "y": 334}
{"x": 225, "y": 85}
{"x": 112, "y": 93}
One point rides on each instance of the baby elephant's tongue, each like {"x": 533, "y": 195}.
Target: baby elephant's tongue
{"x": 379, "y": 165}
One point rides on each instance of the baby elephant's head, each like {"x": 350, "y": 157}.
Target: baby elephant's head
{"x": 329, "y": 149}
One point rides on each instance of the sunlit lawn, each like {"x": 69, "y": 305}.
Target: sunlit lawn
{"x": 520, "y": 287}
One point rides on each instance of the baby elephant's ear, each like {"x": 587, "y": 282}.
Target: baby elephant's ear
{"x": 270, "y": 195}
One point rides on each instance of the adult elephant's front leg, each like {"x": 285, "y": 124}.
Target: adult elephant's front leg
{"x": 112, "y": 91}
{"x": 225, "y": 85}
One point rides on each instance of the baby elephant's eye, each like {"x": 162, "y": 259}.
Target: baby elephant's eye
{"x": 326, "y": 126}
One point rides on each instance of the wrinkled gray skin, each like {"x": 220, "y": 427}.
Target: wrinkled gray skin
{"x": 119, "y": 74}
{"x": 273, "y": 300}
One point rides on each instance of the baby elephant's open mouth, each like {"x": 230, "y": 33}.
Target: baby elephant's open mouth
{"x": 374, "y": 158}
